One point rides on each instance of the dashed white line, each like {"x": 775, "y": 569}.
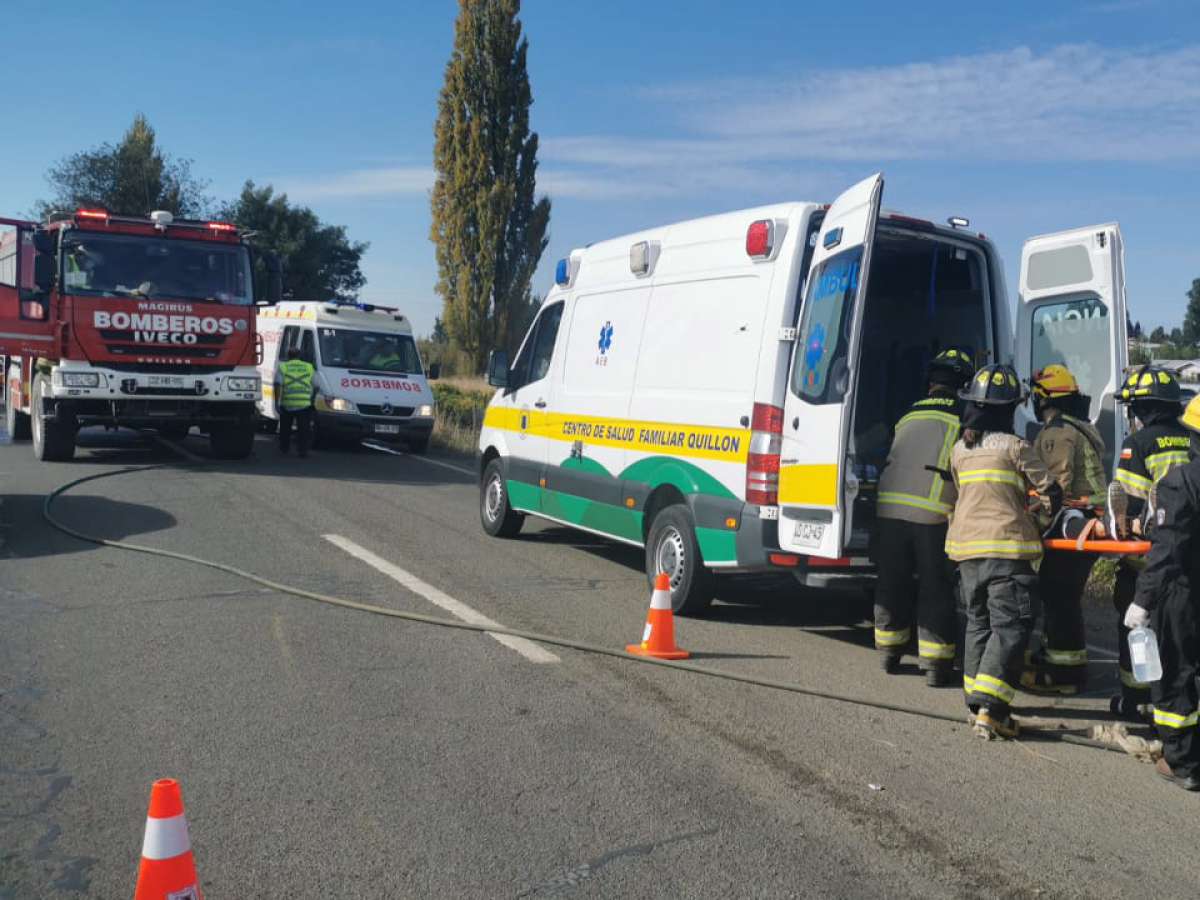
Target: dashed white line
{"x": 528, "y": 649}
{"x": 383, "y": 448}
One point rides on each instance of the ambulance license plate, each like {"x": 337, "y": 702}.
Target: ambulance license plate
{"x": 173, "y": 381}
{"x": 387, "y": 429}
{"x": 809, "y": 534}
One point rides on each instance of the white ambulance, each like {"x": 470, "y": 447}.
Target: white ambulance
{"x": 722, "y": 391}
{"x": 370, "y": 381}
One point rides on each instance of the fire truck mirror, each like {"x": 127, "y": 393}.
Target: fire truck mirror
{"x": 43, "y": 272}
{"x": 45, "y": 242}
{"x": 274, "y": 278}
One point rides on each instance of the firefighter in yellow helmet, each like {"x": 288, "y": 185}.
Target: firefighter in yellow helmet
{"x": 1157, "y": 444}
{"x": 1071, "y": 449}
{"x": 916, "y": 582}
{"x": 1168, "y": 599}
{"x": 996, "y": 542}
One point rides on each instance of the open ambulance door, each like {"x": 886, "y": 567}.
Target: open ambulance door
{"x": 26, "y": 325}
{"x": 817, "y": 486}
{"x": 1072, "y": 311}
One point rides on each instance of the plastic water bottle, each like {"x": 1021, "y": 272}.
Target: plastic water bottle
{"x": 1143, "y": 653}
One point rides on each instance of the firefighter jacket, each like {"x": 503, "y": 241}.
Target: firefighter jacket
{"x": 925, "y": 436}
{"x": 1070, "y": 449}
{"x": 993, "y": 478}
{"x": 1173, "y": 564}
{"x": 1150, "y": 453}
{"x": 296, "y": 377}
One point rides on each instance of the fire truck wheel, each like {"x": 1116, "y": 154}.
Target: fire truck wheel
{"x": 232, "y": 441}
{"x": 671, "y": 547}
{"x": 16, "y": 421}
{"x": 53, "y": 439}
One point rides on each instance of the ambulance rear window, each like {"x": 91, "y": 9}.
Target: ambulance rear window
{"x": 819, "y": 374}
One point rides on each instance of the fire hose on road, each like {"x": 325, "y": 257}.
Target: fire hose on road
{"x": 790, "y": 687}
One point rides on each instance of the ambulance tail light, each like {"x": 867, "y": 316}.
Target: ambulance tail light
{"x": 762, "y": 463}
{"x": 760, "y": 239}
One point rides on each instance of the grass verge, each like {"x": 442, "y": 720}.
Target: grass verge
{"x": 461, "y": 403}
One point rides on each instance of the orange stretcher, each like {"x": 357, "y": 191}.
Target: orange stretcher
{"x": 1106, "y": 547}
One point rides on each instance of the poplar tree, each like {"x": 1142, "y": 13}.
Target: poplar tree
{"x": 488, "y": 229}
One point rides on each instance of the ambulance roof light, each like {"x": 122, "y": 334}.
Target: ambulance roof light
{"x": 959, "y": 222}
{"x": 760, "y": 239}
{"x": 562, "y": 272}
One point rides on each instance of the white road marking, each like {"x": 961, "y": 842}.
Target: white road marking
{"x": 528, "y": 649}
{"x": 383, "y": 448}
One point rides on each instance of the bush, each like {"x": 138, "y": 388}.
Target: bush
{"x": 460, "y": 413}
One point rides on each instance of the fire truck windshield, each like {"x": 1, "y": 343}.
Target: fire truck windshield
{"x": 119, "y": 265}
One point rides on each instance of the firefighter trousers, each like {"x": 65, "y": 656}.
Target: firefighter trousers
{"x": 1177, "y": 625}
{"x": 1001, "y": 597}
{"x": 1132, "y": 691}
{"x": 1063, "y": 576}
{"x": 904, "y": 550}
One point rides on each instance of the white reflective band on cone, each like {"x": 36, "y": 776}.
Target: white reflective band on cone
{"x": 660, "y": 600}
{"x": 165, "y": 838}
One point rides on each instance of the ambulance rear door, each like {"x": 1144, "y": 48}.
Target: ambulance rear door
{"x": 1072, "y": 311}
{"x": 816, "y": 482}
{"x": 26, "y": 325}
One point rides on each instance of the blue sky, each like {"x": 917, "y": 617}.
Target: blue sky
{"x": 1025, "y": 117}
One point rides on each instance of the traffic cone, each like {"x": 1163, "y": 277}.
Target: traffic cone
{"x": 167, "y": 871}
{"x": 658, "y": 640}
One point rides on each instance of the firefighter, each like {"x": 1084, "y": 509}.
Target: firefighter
{"x": 996, "y": 542}
{"x": 1071, "y": 449}
{"x": 294, "y": 390}
{"x": 1168, "y": 595}
{"x": 914, "y": 504}
{"x": 1160, "y": 443}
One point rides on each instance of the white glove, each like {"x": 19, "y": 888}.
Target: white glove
{"x": 1136, "y": 617}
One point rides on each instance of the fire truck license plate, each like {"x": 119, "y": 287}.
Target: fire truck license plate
{"x": 387, "y": 429}
{"x": 166, "y": 381}
{"x": 809, "y": 534}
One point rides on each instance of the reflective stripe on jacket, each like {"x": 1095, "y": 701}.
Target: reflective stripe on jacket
{"x": 1070, "y": 449}
{"x": 989, "y": 520}
{"x": 925, "y": 436}
{"x": 1150, "y": 453}
{"x": 297, "y": 379}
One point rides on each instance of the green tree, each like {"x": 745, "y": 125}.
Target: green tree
{"x": 1158, "y": 335}
{"x": 488, "y": 230}
{"x": 319, "y": 261}
{"x": 1191, "y": 319}
{"x": 131, "y": 178}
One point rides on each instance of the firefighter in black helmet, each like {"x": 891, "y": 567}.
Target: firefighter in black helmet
{"x": 914, "y": 504}
{"x": 996, "y": 542}
{"x": 1158, "y": 443}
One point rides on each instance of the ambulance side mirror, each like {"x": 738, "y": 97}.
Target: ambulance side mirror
{"x": 497, "y": 370}
{"x": 434, "y": 372}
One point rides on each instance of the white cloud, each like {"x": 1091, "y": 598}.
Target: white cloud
{"x": 358, "y": 183}
{"x": 1072, "y": 103}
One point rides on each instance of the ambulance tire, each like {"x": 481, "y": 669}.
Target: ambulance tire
{"x": 672, "y": 547}
{"x": 15, "y": 421}
{"x": 53, "y": 439}
{"x": 497, "y": 517}
{"x": 232, "y": 441}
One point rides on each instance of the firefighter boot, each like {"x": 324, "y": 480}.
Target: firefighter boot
{"x": 889, "y": 661}
{"x": 994, "y": 726}
{"x": 1187, "y": 782}
{"x": 938, "y": 676}
{"x": 1118, "y": 511}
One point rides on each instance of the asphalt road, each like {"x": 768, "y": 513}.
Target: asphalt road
{"x": 330, "y": 753}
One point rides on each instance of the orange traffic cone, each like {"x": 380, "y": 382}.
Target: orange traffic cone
{"x": 167, "y": 871}
{"x": 658, "y": 639}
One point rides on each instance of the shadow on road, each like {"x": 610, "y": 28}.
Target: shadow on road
{"x": 30, "y": 536}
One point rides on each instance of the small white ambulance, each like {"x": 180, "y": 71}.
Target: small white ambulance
{"x": 370, "y": 381}
{"x": 722, "y": 391}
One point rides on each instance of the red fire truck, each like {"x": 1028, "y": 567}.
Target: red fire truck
{"x": 137, "y": 322}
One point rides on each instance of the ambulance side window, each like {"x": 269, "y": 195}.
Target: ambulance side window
{"x": 288, "y": 341}
{"x": 307, "y": 353}
{"x": 533, "y": 363}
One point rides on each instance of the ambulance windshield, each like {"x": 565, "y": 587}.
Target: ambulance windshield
{"x": 119, "y": 265}
{"x": 369, "y": 351}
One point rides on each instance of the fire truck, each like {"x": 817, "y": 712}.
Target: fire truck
{"x": 120, "y": 321}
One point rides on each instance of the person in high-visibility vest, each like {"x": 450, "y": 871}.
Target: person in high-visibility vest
{"x": 1168, "y": 599}
{"x": 996, "y": 543}
{"x": 913, "y": 503}
{"x": 1071, "y": 448}
{"x": 294, "y": 396}
{"x": 1159, "y": 444}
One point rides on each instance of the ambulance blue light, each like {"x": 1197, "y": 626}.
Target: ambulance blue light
{"x": 562, "y": 272}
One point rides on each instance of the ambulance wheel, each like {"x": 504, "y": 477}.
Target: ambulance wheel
{"x": 16, "y": 421}
{"x": 53, "y": 439}
{"x": 671, "y": 547}
{"x": 498, "y": 518}
{"x": 232, "y": 441}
